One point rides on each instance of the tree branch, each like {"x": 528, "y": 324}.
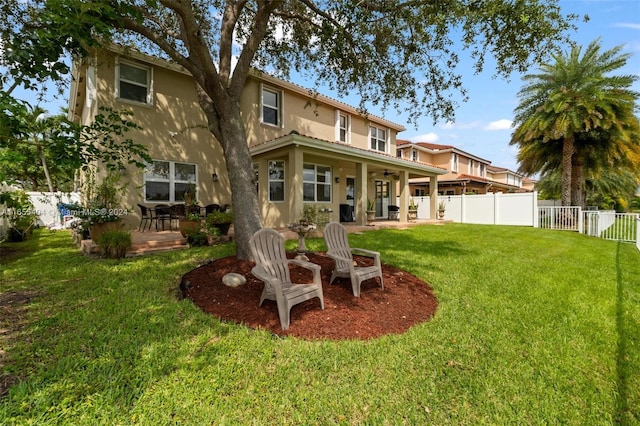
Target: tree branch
{"x": 229, "y": 20}
{"x": 258, "y": 33}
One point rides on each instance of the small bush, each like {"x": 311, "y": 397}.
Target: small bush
{"x": 197, "y": 238}
{"x": 114, "y": 243}
{"x": 217, "y": 217}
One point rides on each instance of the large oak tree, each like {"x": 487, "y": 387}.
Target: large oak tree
{"x": 390, "y": 52}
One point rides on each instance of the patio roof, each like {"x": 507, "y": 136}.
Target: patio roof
{"x": 379, "y": 160}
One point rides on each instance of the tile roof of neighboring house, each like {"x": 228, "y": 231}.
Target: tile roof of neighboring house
{"x": 428, "y": 145}
{"x": 503, "y": 170}
{"x": 264, "y": 146}
{"x": 469, "y": 177}
{"x": 401, "y": 143}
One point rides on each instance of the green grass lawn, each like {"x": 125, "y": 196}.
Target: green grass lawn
{"x": 533, "y": 327}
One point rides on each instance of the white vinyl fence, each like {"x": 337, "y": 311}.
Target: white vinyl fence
{"x": 45, "y": 205}
{"x": 485, "y": 209}
{"x": 605, "y": 224}
{"x": 567, "y": 218}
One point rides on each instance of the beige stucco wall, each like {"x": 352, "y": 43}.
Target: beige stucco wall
{"x": 305, "y": 115}
{"x": 174, "y": 110}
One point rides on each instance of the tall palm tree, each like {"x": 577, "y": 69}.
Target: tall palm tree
{"x": 567, "y": 99}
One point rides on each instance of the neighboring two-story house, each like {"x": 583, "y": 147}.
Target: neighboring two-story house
{"x": 306, "y": 148}
{"x": 466, "y": 173}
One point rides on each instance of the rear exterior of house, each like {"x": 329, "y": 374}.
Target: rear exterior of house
{"x": 307, "y": 148}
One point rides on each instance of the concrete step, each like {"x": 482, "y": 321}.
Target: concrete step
{"x": 158, "y": 244}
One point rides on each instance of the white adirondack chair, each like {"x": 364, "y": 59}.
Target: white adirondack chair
{"x": 272, "y": 268}
{"x": 335, "y": 236}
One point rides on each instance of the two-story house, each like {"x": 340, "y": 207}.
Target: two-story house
{"x": 466, "y": 173}
{"x": 306, "y": 148}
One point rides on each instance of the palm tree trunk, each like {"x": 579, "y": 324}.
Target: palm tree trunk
{"x": 567, "y": 154}
{"x": 577, "y": 181}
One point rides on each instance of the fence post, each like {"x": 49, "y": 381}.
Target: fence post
{"x": 536, "y": 211}
{"x": 462, "y": 208}
{"x": 496, "y": 206}
{"x": 580, "y": 220}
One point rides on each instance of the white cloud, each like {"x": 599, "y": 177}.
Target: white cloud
{"x": 503, "y": 124}
{"x": 427, "y": 137}
{"x": 627, "y": 25}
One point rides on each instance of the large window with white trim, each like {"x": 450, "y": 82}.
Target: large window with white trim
{"x": 133, "y": 83}
{"x": 167, "y": 181}
{"x": 271, "y": 107}
{"x": 378, "y": 138}
{"x": 316, "y": 183}
{"x": 276, "y": 180}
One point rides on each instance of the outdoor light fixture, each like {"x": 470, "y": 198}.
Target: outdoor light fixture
{"x": 337, "y": 179}
{"x": 214, "y": 176}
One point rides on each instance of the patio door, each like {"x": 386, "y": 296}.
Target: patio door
{"x": 382, "y": 197}
{"x": 351, "y": 193}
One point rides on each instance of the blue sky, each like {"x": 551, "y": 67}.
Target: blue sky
{"x": 483, "y": 124}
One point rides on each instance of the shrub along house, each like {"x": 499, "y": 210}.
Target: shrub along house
{"x": 306, "y": 148}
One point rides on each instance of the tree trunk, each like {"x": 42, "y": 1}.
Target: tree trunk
{"x": 226, "y": 125}
{"x": 567, "y": 154}
{"x": 577, "y": 181}
{"x": 43, "y": 160}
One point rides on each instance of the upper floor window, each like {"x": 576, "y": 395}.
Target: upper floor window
{"x": 472, "y": 165}
{"x": 482, "y": 170}
{"x": 414, "y": 155}
{"x": 276, "y": 180}
{"x": 133, "y": 83}
{"x": 316, "y": 182}
{"x": 513, "y": 180}
{"x": 399, "y": 153}
{"x": 168, "y": 180}
{"x": 378, "y": 139}
{"x": 454, "y": 162}
{"x": 343, "y": 128}
{"x": 271, "y": 107}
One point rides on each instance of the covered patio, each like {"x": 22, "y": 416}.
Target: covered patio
{"x": 295, "y": 170}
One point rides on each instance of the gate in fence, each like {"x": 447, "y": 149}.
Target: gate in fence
{"x": 602, "y": 224}
{"x": 611, "y": 225}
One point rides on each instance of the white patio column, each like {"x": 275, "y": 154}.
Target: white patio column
{"x": 361, "y": 195}
{"x": 433, "y": 194}
{"x": 405, "y": 194}
{"x": 294, "y": 180}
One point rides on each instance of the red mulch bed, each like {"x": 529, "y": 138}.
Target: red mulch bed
{"x": 404, "y": 302}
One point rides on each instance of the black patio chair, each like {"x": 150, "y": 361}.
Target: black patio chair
{"x": 147, "y": 215}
